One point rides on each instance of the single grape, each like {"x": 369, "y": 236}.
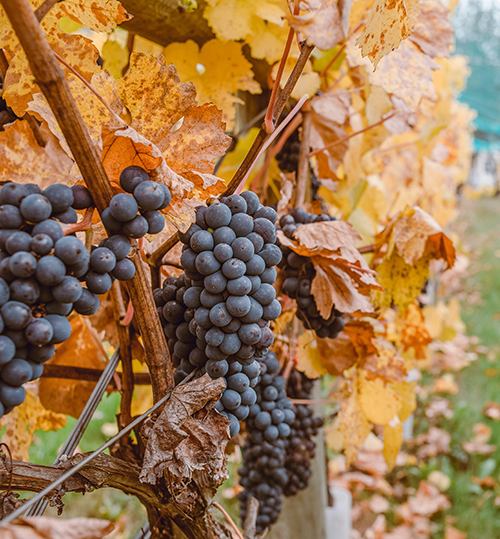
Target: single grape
{"x": 270, "y": 393}
{"x": 219, "y": 315}
{"x": 149, "y": 195}
{"x": 131, "y": 177}
{"x": 236, "y": 203}
{"x": 266, "y": 229}
{"x": 242, "y": 412}
{"x": 300, "y": 215}
{"x": 217, "y": 215}
{"x": 230, "y": 344}
{"x": 109, "y": 221}
{"x": 214, "y": 353}
{"x": 233, "y": 326}
{"x": 18, "y": 241}
{"x": 242, "y": 224}
{"x": 68, "y": 290}
{"x": 263, "y": 420}
{"x": 67, "y": 217}
{"x": 167, "y": 196}
{"x": 37, "y": 370}
{"x": 224, "y": 235}
{"x": 254, "y": 314}
{"x": 123, "y": 207}
{"x": 256, "y": 282}
{"x": 210, "y": 300}
{"x": 35, "y": 208}
{"x": 192, "y": 297}
{"x": 41, "y": 354}
{"x": 87, "y": 304}
{"x": 271, "y": 433}
{"x": 223, "y": 252}
{"x": 24, "y": 290}
{"x": 188, "y": 260}
{"x": 7, "y": 349}
{"x": 156, "y": 221}
{"x": 102, "y": 260}
{"x": 201, "y": 241}
{"x": 56, "y": 307}
{"x": 12, "y": 396}
{"x": 61, "y": 326}
{"x": 238, "y": 382}
{"x": 256, "y": 265}
{"x": 119, "y": 245}
{"x": 214, "y": 336}
{"x": 238, "y": 305}
{"x": 13, "y": 193}
{"x": 230, "y": 399}
{"x": 98, "y": 283}
{"x": 240, "y": 286}
{"x": 82, "y": 199}
{"x": 136, "y": 228}
{"x": 173, "y": 312}
{"x": 203, "y": 319}
{"x": 216, "y": 369}
{"x": 22, "y": 264}
{"x": 5, "y": 273}
{"x": 16, "y": 336}
{"x": 243, "y": 249}
{"x": 250, "y": 334}
{"x": 248, "y": 397}
{"x": 70, "y": 250}
{"x": 265, "y": 294}
{"x": 266, "y": 212}
{"x": 185, "y": 237}
{"x": 215, "y": 283}
{"x": 39, "y": 332}
{"x": 41, "y": 244}
{"x": 16, "y": 315}
{"x": 10, "y": 216}
{"x": 257, "y": 241}
{"x": 252, "y": 201}
{"x": 234, "y": 268}
{"x": 124, "y": 270}
{"x": 60, "y": 197}
{"x": 206, "y": 263}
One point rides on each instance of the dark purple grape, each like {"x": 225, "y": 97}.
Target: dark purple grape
{"x": 35, "y": 208}
{"x": 252, "y": 201}
{"x": 13, "y": 193}
{"x": 131, "y": 177}
{"x": 39, "y": 332}
{"x": 136, "y": 228}
{"x": 149, "y": 195}
{"x": 98, "y": 283}
{"x": 119, "y": 245}
{"x": 102, "y": 260}
{"x": 82, "y": 199}
{"x": 70, "y": 250}
{"x": 124, "y": 270}
{"x": 242, "y": 224}
{"x": 60, "y": 197}
{"x": 87, "y": 304}
{"x": 16, "y": 315}
{"x": 17, "y": 372}
{"x": 22, "y": 264}
{"x": 10, "y": 216}
{"x": 41, "y": 244}
{"x": 156, "y": 221}
{"x": 217, "y": 215}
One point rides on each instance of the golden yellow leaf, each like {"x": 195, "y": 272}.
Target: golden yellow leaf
{"x": 334, "y": 438}
{"x": 378, "y": 401}
{"x": 393, "y": 438}
{"x": 224, "y": 72}
{"x": 320, "y": 24}
{"x": 390, "y": 22}
{"x": 24, "y": 420}
{"x": 413, "y": 331}
{"x": 406, "y": 391}
{"x": 308, "y": 358}
{"x": 260, "y": 24}
{"x": 23, "y": 160}
{"x": 115, "y": 58}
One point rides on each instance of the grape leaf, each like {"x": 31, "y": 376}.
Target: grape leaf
{"x": 25, "y": 419}
{"x": 224, "y": 72}
{"x": 378, "y": 401}
{"x": 309, "y": 358}
{"x": 393, "y": 438}
{"x": 337, "y": 354}
{"x": 390, "y": 22}
{"x": 321, "y": 24}
{"x": 414, "y": 334}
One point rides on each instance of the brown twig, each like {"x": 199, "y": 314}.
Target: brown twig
{"x": 45, "y": 8}
{"x": 172, "y": 264}
{"x": 229, "y": 519}
{"x": 250, "y": 527}
{"x": 367, "y": 248}
{"x": 84, "y": 224}
{"x": 127, "y": 380}
{"x": 303, "y": 166}
{"x": 54, "y": 86}
{"x": 344, "y": 139}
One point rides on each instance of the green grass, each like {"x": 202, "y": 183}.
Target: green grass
{"x": 472, "y": 507}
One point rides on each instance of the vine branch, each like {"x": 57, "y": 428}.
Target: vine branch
{"x": 53, "y": 84}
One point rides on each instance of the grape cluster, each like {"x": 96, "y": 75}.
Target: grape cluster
{"x": 135, "y": 213}
{"x": 263, "y": 474}
{"x": 288, "y": 156}
{"x": 228, "y": 256}
{"x": 301, "y": 446}
{"x": 299, "y": 272}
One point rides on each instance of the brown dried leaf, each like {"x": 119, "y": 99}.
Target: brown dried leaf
{"x": 428, "y": 500}
{"x": 325, "y": 236}
{"x": 82, "y": 349}
{"x": 321, "y": 25}
{"x": 433, "y": 32}
{"x": 492, "y": 410}
{"x": 56, "y": 528}
{"x": 337, "y": 354}
{"x": 23, "y": 160}
{"x": 390, "y": 22}
{"x": 333, "y": 106}
{"x": 188, "y": 435}
{"x": 414, "y": 334}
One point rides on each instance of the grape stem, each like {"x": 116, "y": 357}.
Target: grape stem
{"x": 303, "y": 165}
{"x": 51, "y": 80}
{"x": 84, "y": 224}
{"x": 229, "y": 519}
{"x": 45, "y": 8}
{"x": 251, "y": 519}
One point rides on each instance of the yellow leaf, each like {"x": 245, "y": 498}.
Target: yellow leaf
{"x": 218, "y": 70}
{"x": 406, "y": 391}
{"x": 24, "y": 420}
{"x": 378, "y": 401}
{"x": 308, "y": 358}
{"x": 333, "y": 436}
{"x": 390, "y": 22}
{"x": 260, "y": 24}
{"x": 115, "y": 58}
{"x": 393, "y": 438}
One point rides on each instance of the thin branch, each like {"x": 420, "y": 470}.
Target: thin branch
{"x": 45, "y": 8}
{"x": 367, "y": 248}
{"x": 84, "y": 224}
{"x": 67, "y": 372}
{"x": 344, "y": 139}
{"x": 53, "y": 84}
{"x": 172, "y": 264}
{"x": 229, "y": 519}
{"x": 303, "y": 166}
{"x": 4, "y": 65}
{"x": 250, "y": 527}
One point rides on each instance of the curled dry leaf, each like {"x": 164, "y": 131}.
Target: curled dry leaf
{"x": 82, "y": 349}
{"x": 337, "y": 354}
{"x": 433, "y": 32}
{"x": 321, "y": 24}
{"x": 189, "y": 435}
{"x": 325, "y": 236}
{"x": 56, "y": 528}
{"x": 390, "y": 22}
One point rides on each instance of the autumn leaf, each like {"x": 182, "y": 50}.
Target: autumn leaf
{"x": 316, "y": 238}
{"x": 225, "y": 71}
{"x": 320, "y": 24}
{"x": 393, "y": 438}
{"x": 189, "y": 435}
{"x": 115, "y": 58}
{"x": 309, "y": 357}
{"x": 337, "y": 355}
{"x": 433, "y": 32}
{"x": 24, "y": 420}
{"x": 390, "y": 22}
{"x": 56, "y": 528}
{"x": 414, "y": 333}
{"x": 378, "y": 401}
{"x": 260, "y": 24}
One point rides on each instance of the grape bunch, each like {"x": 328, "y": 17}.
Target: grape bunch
{"x": 301, "y": 446}
{"x": 135, "y": 213}
{"x": 263, "y": 474}
{"x": 299, "y": 272}
{"x": 288, "y": 156}
{"x": 229, "y": 256}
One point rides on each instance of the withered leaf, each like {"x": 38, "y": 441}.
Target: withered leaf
{"x": 56, "y": 528}
{"x": 325, "y": 235}
{"x": 433, "y": 32}
{"x": 337, "y": 354}
{"x": 189, "y": 435}
{"x": 321, "y": 24}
